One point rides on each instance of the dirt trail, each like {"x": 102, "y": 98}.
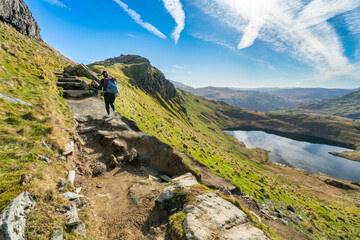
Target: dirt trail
{"x": 121, "y": 200}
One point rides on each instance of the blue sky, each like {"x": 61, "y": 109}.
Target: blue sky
{"x": 228, "y": 43}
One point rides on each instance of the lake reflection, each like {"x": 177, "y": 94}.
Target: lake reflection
{"x": 308, "y": 156}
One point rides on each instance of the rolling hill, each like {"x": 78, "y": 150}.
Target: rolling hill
{"x": 263, "y": 99}
{"x": 347, "y": 105}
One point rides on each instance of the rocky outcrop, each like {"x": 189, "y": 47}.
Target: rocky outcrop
{"x": 13, "y": 217}
{"x": 211, "y": 216}
{"x": 17, "y": 14}
{"x": 128, "y": 59}
{"x": 150, "y": 80}
{"x": 81, "y": 70}
{"x": 13, "y": 100}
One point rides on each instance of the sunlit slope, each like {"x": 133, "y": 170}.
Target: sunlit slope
{"x": 344, "y": 106}
{"x": 26, "y": 72}
{"x": 194, "y": 125}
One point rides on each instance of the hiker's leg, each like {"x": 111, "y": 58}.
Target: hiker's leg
{"x": 112, "y": 100}
{"x": 107, "y": 102}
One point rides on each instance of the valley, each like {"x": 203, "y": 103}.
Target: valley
{"x": 147, "y": 172}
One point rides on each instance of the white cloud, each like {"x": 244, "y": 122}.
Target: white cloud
{"x": 292, "y": 26}
{"x": 131, "y": 35}
{"x": 178, "y": 67}
{"x": 56, "y": 2}
{"x": 137, "y": 18}
{"x": 212, "y": 39}
{"x": 175, "y": 8}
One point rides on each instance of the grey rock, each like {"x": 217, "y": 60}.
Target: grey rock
{"x": 45, "y": 159}
{"x": 71, "y": 196}
{"x": 62, "y": 159}
{"x": 290, "y": 208}
{"x": 72, "y": 216}
{"x": 9, "y": 98}
{"x": 58, "y": 234}
{"x": 183, "y": 182}
{"x": 81, "y": 119}
{"x": 81, "y": 70}
{"x": 13, "y": 217}
{"x": 17, "y": 14}
{"x": 44, "y": 145}
{"x": 61, "y": 184}
{"x": 86, "y": 129}
{"x": 213, "y": 216}
{"x": 165, "y": 178}
{"x": 76, "y": 202}
{"x": 69, "y": 148}
{"x": 81, "y": 230}
{"x": 132, "y": 154}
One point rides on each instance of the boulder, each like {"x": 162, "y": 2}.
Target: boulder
{"x": 45, "y": 159}
{"x": 17, "y": 14}
{"x": 71, "y": 196}
{"x": 58, "y": 234}
{"x": 81, "y": 230}
{"x": 213, "y": 216}
{"x": 183, "y": 182}
{"x": 13, "y": 217}
{"x": 12, "y": 99}
{"x": 61, "y": 184}
{"x": 72, "y": 216}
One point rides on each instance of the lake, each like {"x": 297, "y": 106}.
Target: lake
{"x": 311, "y": 157}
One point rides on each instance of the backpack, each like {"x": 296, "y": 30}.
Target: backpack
{"x": 110, "y": 85}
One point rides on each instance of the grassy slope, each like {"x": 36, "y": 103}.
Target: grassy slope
{"x": 246, "y": 99}
{"x": 344, "y": 106}
{"x": 26, "y": 72}
{"x": 197, "y": 131}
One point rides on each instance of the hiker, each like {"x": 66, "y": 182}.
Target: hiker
{"x": 109, "y": 86}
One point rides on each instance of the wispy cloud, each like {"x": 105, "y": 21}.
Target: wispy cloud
{"x": 212, "y": 39}
{"x": 131, "y": 35}
{"x": 178, "y": 67}
{"x": 298, "y": 27}
{"x": 175, "y": 8}
{"x": 137, "y": 18}
{"x": 56, "y": 2}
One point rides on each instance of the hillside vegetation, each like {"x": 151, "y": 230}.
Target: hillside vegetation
{"x": 344, "y": 106}
{"x": 26, "y": 72}
{"x": 263, "y": 99}
{"x": 194, "y": 125}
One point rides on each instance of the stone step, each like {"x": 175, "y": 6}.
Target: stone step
{"x": 69, "y": 79}
{"x": 77, "y": 93}
{"x": 58, "y": 73}
{"x": 72, "y": 85}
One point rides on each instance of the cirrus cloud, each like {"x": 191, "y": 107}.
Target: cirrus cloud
{"x": 175, "y": 8}
{"x": 298, "y": 27}
{"x": 137, "y": 18}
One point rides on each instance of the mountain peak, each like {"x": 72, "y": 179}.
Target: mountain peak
{"x": 17, "y": 14}
{"x": 128, "y": 59}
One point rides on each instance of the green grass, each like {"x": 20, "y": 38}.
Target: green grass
{"x": 26, "y": 72}
{"x": 194, "y": 125}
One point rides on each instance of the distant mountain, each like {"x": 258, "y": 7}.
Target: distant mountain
{"x": 347, "y": 105}
{"x": 259, "y": 101}
{"x": 301, "y": 95}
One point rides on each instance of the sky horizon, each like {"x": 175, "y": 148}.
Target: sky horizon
{"x": 221, "y": 43}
